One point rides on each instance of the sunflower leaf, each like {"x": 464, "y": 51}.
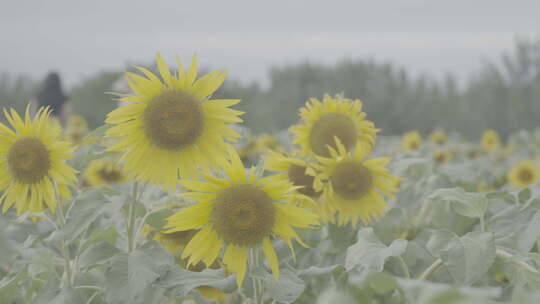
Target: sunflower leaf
{"x": 464, "y": 203}
{"x": 369, "y": 254}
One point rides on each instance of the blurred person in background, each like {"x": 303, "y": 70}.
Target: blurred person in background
{"x": 51, "y": 95}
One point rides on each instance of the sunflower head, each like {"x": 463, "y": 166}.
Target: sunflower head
{"x": 334, "y": 117}
{"x": 523, "y": 174}
{"x": 411, "y": 141}
{"x": 241, "y": 212}
{"x": 294, "y": 170}
{"x": 104, "y": 172}
{"x": 171, "y": 127}
{"x": 32, "y": 160}
{"x": 442, "y": 156}
{"x": 352, "y": 185}
{"x": 438, "y": 137}
{"x": 491, "y": 141}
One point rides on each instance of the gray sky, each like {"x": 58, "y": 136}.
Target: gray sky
{"x": 79, "y": 38}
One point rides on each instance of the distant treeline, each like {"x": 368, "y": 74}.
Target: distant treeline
{"x": 503, "y": 95}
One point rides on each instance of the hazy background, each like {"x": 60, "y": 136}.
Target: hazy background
{"x": 418, "y": 64}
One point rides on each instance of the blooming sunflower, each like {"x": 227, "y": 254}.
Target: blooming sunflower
{"x": 300, "y": 174}
{"x": 442, "y": 157}
{"x": 491, "y": 141}
{"x": 104, "y": 172}
{"x": 32, "y": 162}
{"x": 240, "y": 212}
{"x": 334, "y": 117}
{"x": 523, "y": 174}
{"x": 354, "y": 186}
{"x": 171, "y": 127}
{"x": 411, "y": 141}
{"x": 438, "y": 137}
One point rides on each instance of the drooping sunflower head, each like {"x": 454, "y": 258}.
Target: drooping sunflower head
{"x": 491, "y": 140}
{"x": 438, "y": 137}
{"x": 523, "y": 174}
{"x": 240, "y": 212}
{"x": 171, "y": 127}
{"x": 442, "y": 156}
{"x": 411, "y": 141}
{"x": 353, "y": 186}
{"x": 32, "y": 161}
{"x": 334, "y": 117}
{"x": 104, "y": 172}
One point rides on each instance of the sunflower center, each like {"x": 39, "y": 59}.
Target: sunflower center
{"x": 28, "y": 160}
{"x": 243, "y": 215}
{"x": 526, "y": 176}
{"x": 414, "y": 144}
{"x": 329, "y": 126}
{"x": 351, "y": 180}
{"x": 110, "y": 174}
{"x": 297, "y": 175}
{"x": 173, "y": 120}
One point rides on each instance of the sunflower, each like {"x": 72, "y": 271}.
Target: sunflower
{"x": 171, "y": 127}
{"x": 411, "y": 141}
{"x": 438, "y": 137}
{"x": 491, "y": 141}
{"x": 241, "y": 212}
{"x": 32, "y": 162}
{"x": 300, "y": 174}
{"x": 442, "y": 157}
{"x": 334, "y": 117}
{"x": 523, "y": 174}
{"x": 104, "y": 172}
{"x": 354, "y": 186}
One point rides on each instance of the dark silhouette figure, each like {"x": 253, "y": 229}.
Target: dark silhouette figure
{"x": 52, "y": 96}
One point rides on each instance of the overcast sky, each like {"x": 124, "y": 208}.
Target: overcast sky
{"x": 79, "y": 38}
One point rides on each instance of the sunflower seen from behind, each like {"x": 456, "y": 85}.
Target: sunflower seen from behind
{"x": 171, "y": 127}
{"x": 491, "y": 141}
{"x": 334, "y": 117}
{"x": 104, "y": 172}
{"x": 239, "y": 212}
{"x": 32, "y": 162}
{"x": 354, "y": 186}
{"x": 411, "y": 141}
{"x": 523, "y": 174}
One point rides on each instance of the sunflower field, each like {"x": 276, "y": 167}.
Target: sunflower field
{"x": 173, "y": 201}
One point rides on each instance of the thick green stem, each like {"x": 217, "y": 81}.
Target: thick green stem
{"x": 258, "y": 289}
{"x": 132, "y": 217}
{"x": 65, "y": 252}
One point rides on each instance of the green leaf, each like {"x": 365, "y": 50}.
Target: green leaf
{"x": 369, "y": 254}
{"x": 467, "y": 258}
{"x": 422, "y": 292}
{"x": 97, "y": 253}
{"x": 131, "y": 276}
{"x": 464, "y": 203}
{"x": 380, "y": 282}
{"x": 107, "y": 235}
{"x": 9, "y": 287}
{"x": 86, "y": 208}
{"x": 179, "y": 281}
{"x": 158, "y": 219}
{"x": 517, "y": 226}
{"x": 287, "y": 289}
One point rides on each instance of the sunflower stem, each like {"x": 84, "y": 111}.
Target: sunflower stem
{"x": 132, "y": 217}
{"x": 65, "y": 251}
{"x": 431, "y": 269}
{"x": 258, "y": 290}
{"x": 404, "y": 267}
